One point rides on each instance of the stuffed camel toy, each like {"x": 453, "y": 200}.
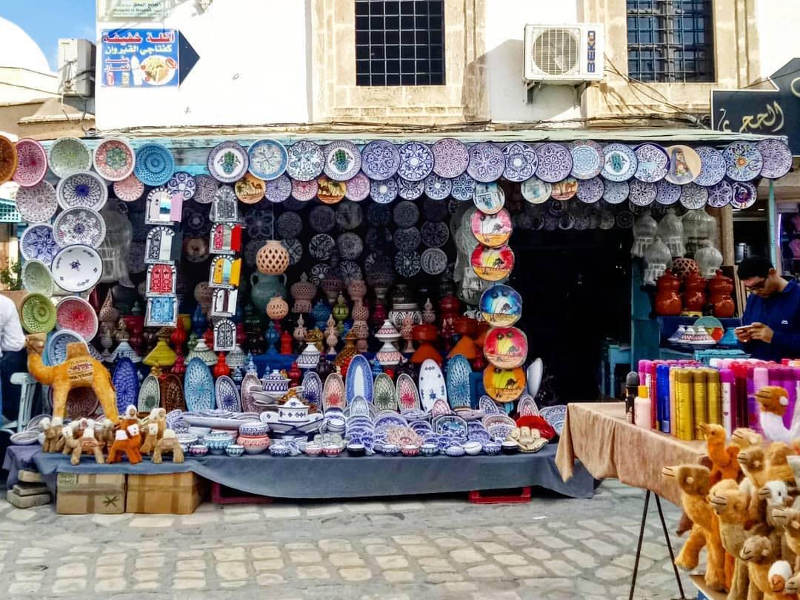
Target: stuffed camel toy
{"x": 168, "y": 444}
{"x": 53, "y": 438}
{"x": 723, "y": 457}
{"x": 773, "y": 401}
{"x": 127, "y": 442}
{"x": 759, "y": 555}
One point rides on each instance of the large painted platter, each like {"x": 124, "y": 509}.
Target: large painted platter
{"x": 228, "y": 162}
{"x": 306, "y": 161}
{"x": 38, "y": 203}
{"x": 416, "y": 161}
{"x": 267, "y": 159}
{"x": 114, "y": 159}
{"x": 503, "y": 385}
{"x": 407, "y": 393}
{"x": 250, "y": 383}
{"x": 486, "y": 162}
{"x": 554, "y": 162}
{"x": 82, "y": 190}
{"x": 227, "y": 394}
{"x": 450, "y": 158}
{"x": 79, "y": 226}
{"x": 653, "y": 163}
{"x": 126, "y": 384}
{"x": 312, "y": 389}
{"x": 712, "y": 166}
{"x": 198, "y": 386}
{"x": 743, "y": 161}
{"x": 506, "y": 347}
{"x": 384, "y": 393}
{"x": 149, "y": 394}
{"x": 380, "y": 159}
{"x": 342, "y": 160}
{"x": 587, "y": 159}
{"x": 501, "y": 305}
{"x": 684, "y": 165}
{"x": 777, "y": 158}
{"x": 458, "y": 372}
{"x": 333, "y": 394}
{"x": 77, "y": 268}
{"x": 431, "y": 384}
{"x": 520, "y": 160}
{"x": 359, "y": 379}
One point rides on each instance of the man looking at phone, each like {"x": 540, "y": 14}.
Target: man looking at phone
{"x": 771, "y": 321}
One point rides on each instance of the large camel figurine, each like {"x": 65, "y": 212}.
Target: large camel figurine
{"x": 78, "y": 370}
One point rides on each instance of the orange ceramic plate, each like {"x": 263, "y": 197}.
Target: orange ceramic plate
{"x": 250, "y": 189}
{"x": 506, "y": 347}
{"x": 492, "y": 264}
{"x": 564, "y": 190}
{"x": 330, "y": 191}
{"x": 503, "y": 385}
{"x": 491, "y": 230}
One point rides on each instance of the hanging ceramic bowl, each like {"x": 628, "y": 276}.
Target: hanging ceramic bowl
{"x": 416, "y": 161}
{"x": 619, "y": 162}
{"x": 501, "y": 305}
{"x": 462, "y": 188}
{"x": 31, "y": 163}
{"x": 743, "y": 161}
{"x": 616, "y": 192}
{"x": 434, "y": 233}
{"x": 8, "y": 159}
{"x": 492, "y": 264}
{"x": 653, "y": 163}
{"x": 720, "y": 195}
{"x": 79, "y": 226}
{"x": 114, "y": 159}
{"x": 506, "y": 347}
{"x": 56, "y": 347}
{"x": 407, "y": 264}
{"x": 433, "y": 261}
{"x": 228, "y": 162}
{"x": 77, "y": 315}
{"x": 305, "y": 161}
{"x": 587, "y": 159}
{"x": 777, "y": 158}
{"x": 380, "y": 159}
{"x": 37, "y": 204}
{"x": 37, "y": 313}
{"x": 154, "y": 164}
{"x": 182, "y": 184}
{"x": 267, "y": 159}
{"x": 489, "y": 198}
{"x": 37, "y": 243}
{"x": 289, "y": 225}
{"x": 36, "y": 278}
{"x": 744, "y": 194}
{"x": 536, "y": 191}
{"x": 330, "y": 191}
{"x": 684, "y": 165}
{"x": 486, "y": 162}
{"x": 69, "y": 155}
{"x": 129, "y": 189}
{"x": 77, "y": 268}
{"x": 712, "y": 166}
{"x": 503, "y": 385}
{"x": 357, "y": 188}
{"x": 491, "y": 230}
{"x": 82, "y": 190}
{"x": 693, "y": 196}
{"x": 383, "y": 192}
{"x": 250, "y": 189}
{"x": 450, "y": 158}
{"x": 342, "y": 160}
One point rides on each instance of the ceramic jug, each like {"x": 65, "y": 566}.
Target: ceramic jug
{"x": 264, "y": 287}
{"x": 720, "y": 288}
{"x": 668, "y": 302}
{"x": 694, "y": 297}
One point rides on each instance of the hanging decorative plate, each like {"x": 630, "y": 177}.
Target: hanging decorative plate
{"x": 489, "y": 198}
{"x": 407, "y": 264}
{"x": 267, "y": 159}
{"x": 565, "y": 190}
{"x": 306, "y": 161}
{"x": 359, "y": 379}
{"x": 684, "y": 164}
{"x": 407, "y": 393}
{"x": 501, "y": 305}
{"x": 349, "y": 270}
{"x": 520, "y": 161}
{"x": 431, "y": 384}
{"x": 536, "y": 191}
{"x": 227, "y": 394}
{"x": 205, "y": 189}
{"x": 31, "y": 163}
{"x": 228, "y": 162}
{"x": 277, "y": 190}
{"x": 154, "y": 164}
{"x": 405, "y": 214}
{"x": 321, "y": 246}
{"x": 379, "y": 215}
{"x": 462, "y": 188}
{"x": 342, "y": 160}
{"x": 330, "y": 191}
{"x": 129, "y": 189}
{"x": 322, "y": 219}
{"x": 777, "y": 158}
{"x": 8, "y": 159}
{"x": 384, "y": 394}
{"x": 304, "y": 190}
{"x": 68, "y": 155}
{"x": 712, "y": 166}
{"x": 149, "y": 394}
{"x": 555, "y": 162}
{"x": 83, "y": 190}
{"x": 37, "y": 313}
{"x": 491, "y": 230}
{"x": 56, "y": 349}
{"x": 506, "y": 347}
{"x": 77, "y": 315}
{"x": 492, "y": 264}
{"x": 172, "y": 393}
{"x": 295, "y": 249}
{"x": 436, "y": 187}
{"x": 77, "y": 268}
{"x": 616, "y": 192}
{"x": 433, "y": 261}
{"x": 486, "y": 162}
{"x": 350, "y": 245}
{"x": 37, "y": 204}
{"x": 587, "y": 159}
{"x": 114, "y": 159}
{"x": 380, "y": 159}
{"x": 744, "y": 194}
{"x": 720, "y": 195}
{"x": 357, "y": 188}
{"x": 289, "y": 225}
{"x": 312, "y": 388}
{"x": 667, "y": 193}
{"x": 79, "y": 226}
{"x": 416, "y": 161}
{"x": 590, "y": 190}
{"x": 450, "y": 158}
{"x": 251, "y": 383}
{"x": 503, "y": 385}
{"x": 198, "y": 386}
{"x": 693, "y": 196}
{"x": 384, "y": 191}
{"x": 619, "y": 162}
{"x": 36, "y": 277}
{"x": 458, "y": 388}
{"x": 182, "y": 183}
{"x": 126, "y": 384}
{"x": 349, "y": 215}
{"x": 642, "y": 193}
{"x": 743, "y": 161}
{"x": 333, "y": 395}
{"x": 435, "y": 233}
{"x": 653, "y": 163}
{"x": 410, "y": 190}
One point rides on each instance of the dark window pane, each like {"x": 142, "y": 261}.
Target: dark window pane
{"x": 376, "y": 8}
{"x": 377, "y": 52}
{"x": 392, "y": 66}
{"x": 393, "y": 80}
{"x": 408, "y": 79}
{"x": 362, "y": 52}
{"x": 392, "y": 51}
{"x": 407, "y": 51}
{"x": 392, "y": 8}
{"x": 392, "y": 37}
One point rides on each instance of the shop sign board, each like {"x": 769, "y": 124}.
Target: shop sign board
{"x": 139, "y": 10}
{"x": 773, "y": 111}
{"x": 140, "y": 57}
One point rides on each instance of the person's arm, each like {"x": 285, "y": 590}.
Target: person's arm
{"x": 12, "y": 338}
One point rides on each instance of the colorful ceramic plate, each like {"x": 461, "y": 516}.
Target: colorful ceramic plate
{"x": 503, "y": 385}
{"x": 205, "y": 189}
{"x": 126, "y": 384}
{"x": 330, "y": 191}
{"x": 712, "y": 166}
{"x": 436, "y": 187}
{"x": 198, "y": 386}
{"x": 435, "y": 233}
{"x": 357, "y": 188}
{"x": 720, "y": 195}
{"x": 619, "y": 162}
{"x": 407, "y": 264}
{"x": 489, "y": 198}
{"x": 77, "y": 268}
{"x": 616, "y": 192}
{"x": 277, "y": 190}
{"x": 114, "y": 159}
{"x": 37, "y": 204}
{"x": 380, "y": 159}
{"x": 227, "y": 393}
{"x": 520, "y": 161}
{"x": 312, "y": 388}
{"x": 228, "y": 162}
{"x": 501, "y": 305}
{"x": 693, "y": 196}
{"x": 384, "y": 191}
{"x": 590, "y": 190}
{"x": 432, "y": 385}
{"x": 587, "y": 159}
{"x": 410, "y": 190}
{"x": 407, "y": 393}
{"x": 36, "y": 277}
{"x": 492, "y": 264}
{"x": 491, "y": 230}
{"x": 303, "y": 191}
{"x": 433, "y": 261}
{"x": 462, "y": 188}
{"x": 79, "y": 226}
{"x": 416, "y": 161}
{"x": 333, "y": 394}
{"x": 31, "y": 163}
{"x": 744, "y": 194}
{"x": 653, "y": 163}
{"x": 306, "y": 161}
{"x": 77, "y": 315}
{"x": 384, "y": 393}
{"x": 667, "y": 193}
{"x": 37, "y": 313}
{"x": 777, "y": 158}
{"x": 69, "y": 155}
{"x": 642, "y": 193}
{"x": 342, "y": 160}
{"x": 458, "y": 387}
{"x": 554, "y": 162}
{"x": 172, "y": 393}
{"x": 182, "y": 183}
{"x": 536, "y": 191}
{"x": 37, "y": 242}
{"x": 154, "y": 164}
{"x": 149, "y": 394}
{"x": 359, "y": 379}
{"x": 82, "y": 190}
{"x": 56, "y": 348}
{"x": 506, "y": 347}
{"x": 267, "y": 159}
{"x": 684, "y": 165}
{"x": 450, "y": 158}
{"x": 251, "y": 190}
{"x": 565, "y": 190}
{"x": 743, "y": 161}
{"x": 486, "y": 162}
{"x": 129, "y": 189}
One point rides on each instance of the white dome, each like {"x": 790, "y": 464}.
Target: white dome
{"x": 17, "y": 49}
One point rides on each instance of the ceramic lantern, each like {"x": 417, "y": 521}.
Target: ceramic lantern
{"x": 644, "y": 230}
{"x": 277, "y": 308}
{"x": 303, "y": 292}
{"x": 272, "y": 258}
{"x": 670, "y": 230}
{"x": 657, "y": 257}
{"x": 708, "y": 259}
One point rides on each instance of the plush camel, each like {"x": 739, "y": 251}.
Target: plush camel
{"x": 129, "y": 417}
{"x": 53, "y": 438}
{"x": 753, "y": 464}
{"x": 744, "y": 437}
{"x": 126, "y": 442}
{"x": 759, "y": 555}
{"x": 159, "y": 417}
{"x": 150, "y": 439}
{"x": 78, "y": 370}
{"x": 780, "y": 572}
{"x": 105, "y": 433}
{"x": 89, "y": 445}
{"x": 168, "y": 443}
{"x": 723, "y": 458}
{"x": 775, "y": 495}
{"x": 793, "y": 585}
{"x": 695, "y": 483}
{"x": 773, "y": 401}
{"x": 790, "y": 518}
{"x": 778, "y": 468}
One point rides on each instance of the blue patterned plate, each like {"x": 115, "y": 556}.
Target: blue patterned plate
{"x": 777, "y": 158}
{"x": 463, "y": 187}
{"x": 416, "y": 161}
{"x": 667, "y": 193}
{"x": 359, "y": 379}
{"x": 653, "y": 163}
{"x": 198, "y": 386}
{"x": 410, "y": 190}
{"x": 712, "y": 166}
{"x": 501, "y": 305}
{"x": 227, "y": 394}
{"x": 126, "y": 384}
{"x": 693, "y": 196}
{"x": 149, "y": 394}
{"x": 744, "y": 194}
{"x": 182, "y": 183}
{"x": 536, "y": 191}
{"x": 267, "y": 159}
{"x": 380, "y": 159}
{"x": 642, "y": 193}
{"x": 436, "y": 187}
{"x": 720, "y": 195}
{"x": 458, "y": 372}
{"x": 154, "y": 164}
{"x": 486, "y": 162}
{"x": 383, "y": 191}
{"x": 77, "y": 268}
{"x": 619, "y": 162}
{"x": 590, "y": 190}
{"x": 452, "y": 426}
{"x": 587, "y": 159}
{"x": 743, "y": 161}
{"x": 520, "y": 160}
{"x": 312, "y": 389}
{"x": 38, "y": 243}
{"x": 555, "y": 162}
{"x": 56, "y": 348}
{"x": 306, "y": 161}
{"x": 342, "y": 160}
{"x": 616, "y": 192}
{"x": 82, "y": 190}
{"x": 431, "y": 384}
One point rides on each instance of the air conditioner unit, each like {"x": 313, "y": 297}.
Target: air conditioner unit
{"x": 564, "y": 54}
{"x": 76, "y": 60}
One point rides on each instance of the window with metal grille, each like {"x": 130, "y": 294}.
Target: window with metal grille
{"x": 670, "y": 41}
{"x": 400, "y": 42}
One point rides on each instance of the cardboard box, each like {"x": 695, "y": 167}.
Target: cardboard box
{"x": 80, "y": 494}
{"x": 170, "y": 493}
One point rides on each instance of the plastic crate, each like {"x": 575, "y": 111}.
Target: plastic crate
{"x": 9, "y": 212}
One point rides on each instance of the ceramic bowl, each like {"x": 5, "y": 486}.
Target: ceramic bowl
{"x": 217, "y": 442}
{"x": 279, "y": 450}
{"x": 409, "y": 450}
{"x": 356, "y": 449}
{"x": 454, "y": 451}
{"x": 198, "y": 450}
{"x": 473, "y": 448}
{"x": 313, "y": 449}
{"x": 186, "y": 440}
{"x": 253, "y": 428}
{"x": 332, "y": 450}
{"x": 492, "y": 448}
{"x": 253, "y": 444}
{"x": 510, "y": 447}
{"x": 234, "y": 450}
{"x": 428, "y": 450}
{"x": 391, "y": 449}
{"x": 200, "y": 431}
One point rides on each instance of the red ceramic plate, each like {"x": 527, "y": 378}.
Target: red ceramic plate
{"x": 505, "y": 347}
{"x": 492, "y": 264}
{"x": 78, "y": 315}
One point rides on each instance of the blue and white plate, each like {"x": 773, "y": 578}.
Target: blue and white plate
{"x": 306, "y": 161}
{"x": 642, "y": 193}
{"x": 462, "y": 188}
{"x": 431, "y": 384}
{"x": 743, "y": 161}
{"x": 359, "y": 379}
{"x": 554, "y": 162}
{"x": 458, "y": 372}
{"x": 126, "y": 384}
{"x": 653, "y": 163}
{"x": 38, "y": 243}
{"x": 416, "y": 161}
{"x": 615, "y": 192}
{"x": 312, "y": 388}
{"x": 777, "y": 158}
{"x": 712, "y": 166}
{"x": 198, "y": 386}
{"x": 587, "y": 159}
{"x": 590, "y": 190}
{"x": 227, "y": 394}
{"x": 342, "y": 160}
{"x": 720, "y": 195}
{"x": 619, "y": 162}
{"x": 520, "y": 161}
{"x": 56, "y": 347}
{"x": 383, "y": 191}
{"x": 82, "y": 190}
{"x": 486, "y": 162}
{"x": 380, "y": 159}
{"x": 267, "y": 159}
{"x": 227, "y": 162}
{"x": 667, "y": 193}
{"x": 77, "y": 268}
{"x": 450, "y": 158}
{"x": 154, "y": 164}
{"x": 149, "y": 394}
{"x": 410, "y": 190}
{"x": 693, "y": 196}
{"x": 744, "y": 194}
{"x": 436, "y": 187}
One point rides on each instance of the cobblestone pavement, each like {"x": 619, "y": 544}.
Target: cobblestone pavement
{"x": 389, "y": 550}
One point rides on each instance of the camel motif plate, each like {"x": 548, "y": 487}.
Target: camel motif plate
{"x": 114, "y": 159}
{"x": 77, "y": 268}
{"x": 492, "y": 264}
{"x": 501, "y": 305}
{"x": 587, "y": 159}
{"x": 198, "y": 386}
{"x": 565, "y": 189}
{"x": 712, "y": 166}
{"x": 342, "y": 160}
{"x": 380, "y": 159}
{"x": 450, "y": 158}
{"x": 227, "y": 394}
{"x": 267, "y": 159}
{"x": 126, "y": 383}
{"x": 406, "y": 393}
{"x": 506, "y": 347}
{"x": 491, "y": 230}
{"x": 503, "y": 385}
{"x": 431, "y": 384}
{"x": 458, "y": 372}
{"x": 149, "y": 394}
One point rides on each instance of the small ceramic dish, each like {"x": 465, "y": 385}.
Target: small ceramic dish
{"x": 391, "y": 449}
{"x": 234, "y": 450}
{"x": 313, "y": 449}
{"x": 198, "y": 450}
{"x": 253, "y": 428}
{"x": 332, "y": 450}
{"x": 455, "y": 451}
{"x": 428, "y": 449}
{"x": 510, "y": 447}
{"x": 279, "y": 450}
{"x": 492, "y": 448}
{"x": 356, "y": 449}
{"x": 472, "y": 448}
{"x": 409, "y": 450}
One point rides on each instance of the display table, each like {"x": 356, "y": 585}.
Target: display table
{"x": 338, "y": 477}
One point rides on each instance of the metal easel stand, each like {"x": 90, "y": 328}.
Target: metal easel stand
{"x": 666, "y": 538}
